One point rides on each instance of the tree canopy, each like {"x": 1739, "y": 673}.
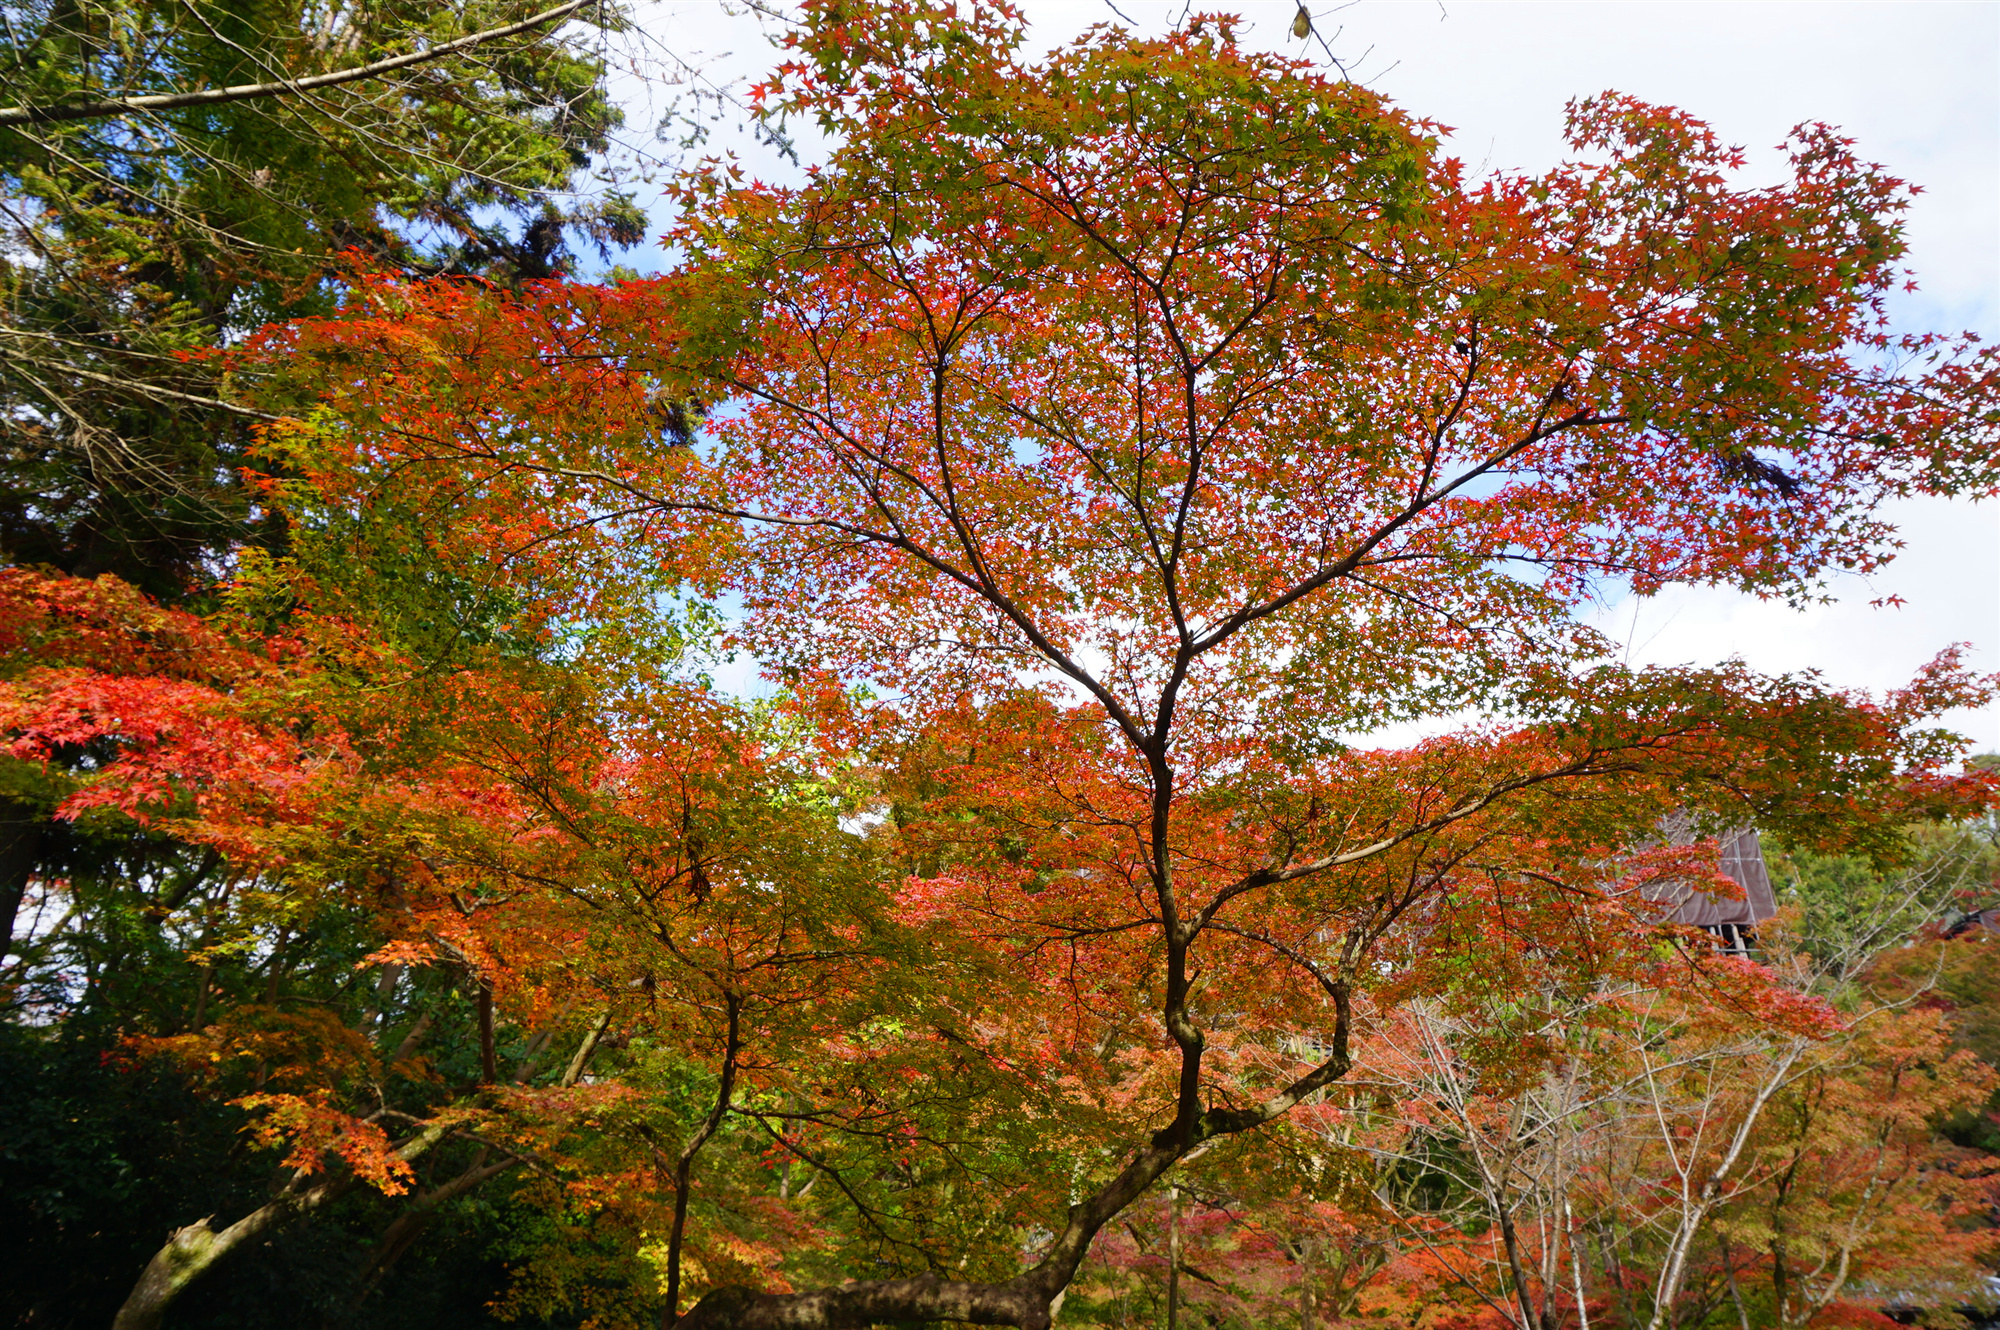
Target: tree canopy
{"x": 1096, "y": 451}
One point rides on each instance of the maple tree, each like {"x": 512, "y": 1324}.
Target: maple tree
{"x": 508, "y": 837}
{"x": 1100, "y": 448}
{"x": 1142, "y": 425}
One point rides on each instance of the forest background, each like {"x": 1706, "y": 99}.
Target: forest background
{"x": 234, "y": 859}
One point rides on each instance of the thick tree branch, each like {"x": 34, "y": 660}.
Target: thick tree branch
{"x": 192, "y": 1251}
{"x": 167, "y": 101}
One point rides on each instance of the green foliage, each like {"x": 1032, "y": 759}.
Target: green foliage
{"x": 132, "y": 246}
{"x": 1849, "y": 909}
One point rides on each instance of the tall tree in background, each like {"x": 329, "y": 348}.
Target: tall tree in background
{"x": 1147, "y": 422}
{"x": 137, "y": 231}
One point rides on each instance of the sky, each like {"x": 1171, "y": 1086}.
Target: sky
{"x": 1916, "y": 84}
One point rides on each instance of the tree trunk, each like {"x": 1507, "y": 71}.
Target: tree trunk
{"x": 1305, "y": 1286}
{"x": 1576, "y": 1266}
{"x": 1742, "y": 1316}
{"x": 1027, "y": 1300}
{"x": 489, "y": 1066}
{"x": 684, "y": 1167}
{"x": 1173, "y": 1258}
{"x": 20, "y": 845}
{"x": 402, "y": 1234}
{"x": 1512, "y": 1241}
{"x": 1695, "y": 1210}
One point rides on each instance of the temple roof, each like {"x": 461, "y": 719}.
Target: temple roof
{"x": 1743, "y": 860}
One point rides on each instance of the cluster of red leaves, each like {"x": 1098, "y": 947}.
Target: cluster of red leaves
{"x": 311, "y": 1128}
{"x": 155, "y": 714}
